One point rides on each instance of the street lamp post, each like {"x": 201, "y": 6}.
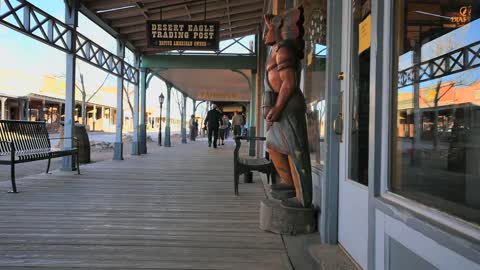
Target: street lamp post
{"x": 161, "y": 98}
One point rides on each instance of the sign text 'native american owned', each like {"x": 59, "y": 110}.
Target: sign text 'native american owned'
{"x": 183, "y": 35}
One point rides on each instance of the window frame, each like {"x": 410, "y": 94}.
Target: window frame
{"x": 383, "y": 194}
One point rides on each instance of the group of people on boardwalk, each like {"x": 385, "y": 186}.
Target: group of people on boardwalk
{"x": 219, "y": 126}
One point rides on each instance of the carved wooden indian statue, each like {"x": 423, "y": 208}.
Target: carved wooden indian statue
{"x": 284, "y": 107}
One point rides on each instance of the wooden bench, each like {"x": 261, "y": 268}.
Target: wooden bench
{"x": 25, "y": 141}
{"x": 243, "y": 165}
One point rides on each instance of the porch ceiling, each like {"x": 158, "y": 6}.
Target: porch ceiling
{"x": 210, "y": 84}
{"x": 128, "y": 17}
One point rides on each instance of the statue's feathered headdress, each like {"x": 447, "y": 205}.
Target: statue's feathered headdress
{"x": 288, "y": 28}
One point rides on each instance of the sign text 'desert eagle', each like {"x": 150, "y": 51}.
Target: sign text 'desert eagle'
{"x": 183, "y": 35}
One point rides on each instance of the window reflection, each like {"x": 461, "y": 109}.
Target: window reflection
{"x": 314, "y": 81}
{"x": 436, "y": 142}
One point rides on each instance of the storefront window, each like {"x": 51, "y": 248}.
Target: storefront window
{"x": 436, "y": 99}
{"x": 314, "y": 81}
{"x": 359, "y": 92}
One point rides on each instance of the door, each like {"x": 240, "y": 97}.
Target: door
{"x": 353, "y": 163}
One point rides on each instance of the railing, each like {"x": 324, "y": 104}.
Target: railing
{"x": 37, "y": 24}
{"x": 453, "y": 62}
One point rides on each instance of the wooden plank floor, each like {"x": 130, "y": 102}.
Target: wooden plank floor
{"x": 171, "y": 209}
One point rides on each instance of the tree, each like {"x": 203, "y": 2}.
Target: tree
{"x": 83, "y": 92}
{"x": 178, "y": 97}
{"x": 127, "y": 93}
{"x": 441, "y": 46}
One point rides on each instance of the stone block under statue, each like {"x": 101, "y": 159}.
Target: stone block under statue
{"x": 281, "y": 219}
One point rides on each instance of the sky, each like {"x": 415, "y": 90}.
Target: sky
{"x": 451, "y": 41}
{"x": 26, "y": 56}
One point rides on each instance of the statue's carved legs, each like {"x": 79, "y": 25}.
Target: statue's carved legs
{"x": 287, "y": 171}
{"x": 281, "y": 163}
{"x": 296, "y": 180}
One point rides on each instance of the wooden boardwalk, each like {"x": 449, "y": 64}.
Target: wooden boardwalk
{"x": 171, "y": 209}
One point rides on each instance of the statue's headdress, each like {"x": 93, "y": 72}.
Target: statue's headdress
{"x": 288, "y": 28}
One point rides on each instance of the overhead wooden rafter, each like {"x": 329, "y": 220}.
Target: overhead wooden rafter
{"x": 128, "y": 17}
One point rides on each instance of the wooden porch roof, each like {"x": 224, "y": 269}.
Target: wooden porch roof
{"x": 128, "y": 17}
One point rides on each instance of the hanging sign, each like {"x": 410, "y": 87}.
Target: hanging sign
{"x": 183, "y": 35}
{"x": 364, "y": 34}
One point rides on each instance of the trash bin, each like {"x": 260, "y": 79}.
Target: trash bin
{"x": 79, "y": 132}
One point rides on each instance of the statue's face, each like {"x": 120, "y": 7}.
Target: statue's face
{"x": 269, "y": 37}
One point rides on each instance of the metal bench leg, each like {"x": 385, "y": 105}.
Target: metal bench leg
{"x": 48, "y": 165}
{"x": 78, "y": 163}
{"x": 235, "y": 182}
{"x": 12, "y": 177}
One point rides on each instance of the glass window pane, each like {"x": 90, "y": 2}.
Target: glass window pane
{"x": 314, "y": 81}
{"x": 359, "y": 93}
{"x": 436, "y": 127}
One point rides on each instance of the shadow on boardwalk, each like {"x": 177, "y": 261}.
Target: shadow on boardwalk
{"x": 171, "y": 209}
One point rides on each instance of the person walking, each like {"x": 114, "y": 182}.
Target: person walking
{"x": 191, "y": 125}
{"x": 196, "y": 129}
{"x": 223, "y": 129}
{"x": 237, "y": 122}
{"x": 212, "y": 122}
{"x": 227, "y": 131}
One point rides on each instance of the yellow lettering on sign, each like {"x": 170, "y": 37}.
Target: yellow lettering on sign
{"x": 364, "y": 34}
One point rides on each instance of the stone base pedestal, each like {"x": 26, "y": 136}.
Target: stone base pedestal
{"x": 276, "y": 218}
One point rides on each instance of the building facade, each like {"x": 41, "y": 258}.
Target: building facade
{"x": 392, "y": 91}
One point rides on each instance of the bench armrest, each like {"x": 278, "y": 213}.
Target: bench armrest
{"x": 74, "y": 139}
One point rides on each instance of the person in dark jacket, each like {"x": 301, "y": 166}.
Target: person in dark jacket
{"x": 213, "y": 122}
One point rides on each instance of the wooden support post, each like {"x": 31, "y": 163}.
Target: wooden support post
{"x": 3, "y": 102}
{"x": 71, "y": 19}
{"x": 94, "y": 117}
{"x": 167, "y": 142}
{"x": 142, "y": 141}
{"x": 184, "y": 119}
{"x": 24, "y": 109}
{"x": 59, "y": 112}
{"x": 118, "y": 150}
{"x": 136, "y": 109}
{"x": 103, "y": 117}
{"x": 42, "y": 111}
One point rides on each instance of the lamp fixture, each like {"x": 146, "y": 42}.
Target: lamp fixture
{"x": 161, "y": 98}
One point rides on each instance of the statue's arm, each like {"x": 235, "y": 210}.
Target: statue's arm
{"x": 287, "y": 70}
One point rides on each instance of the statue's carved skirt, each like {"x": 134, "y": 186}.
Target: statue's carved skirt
{"x": 289, "y": 136}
